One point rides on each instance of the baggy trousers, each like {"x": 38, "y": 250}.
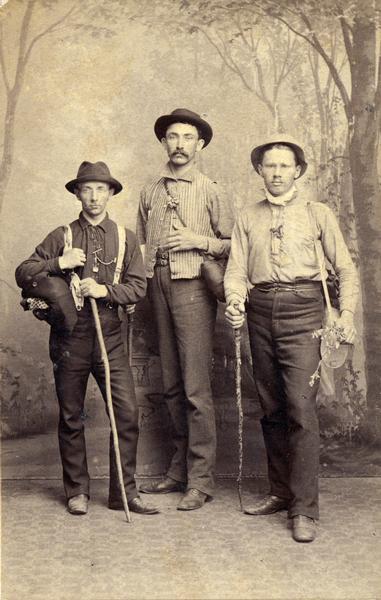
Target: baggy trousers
{"x": 185, "y": 313}
{"x": 285, "y": 355}
{"x": 74, "y": 358}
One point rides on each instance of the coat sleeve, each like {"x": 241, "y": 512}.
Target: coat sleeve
{"x": 44, "y": 258}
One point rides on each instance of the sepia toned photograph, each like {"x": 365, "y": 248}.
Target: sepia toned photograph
{"x": 190, "y": 286}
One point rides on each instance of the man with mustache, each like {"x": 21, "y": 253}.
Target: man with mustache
{"x": 108, "y": 266}
{"x": 273, "y": 269}
{"x": 181, "y": 220}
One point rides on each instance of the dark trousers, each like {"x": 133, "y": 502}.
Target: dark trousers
{"x": 185, "y": 313}
{"x": 74, "y": 358}
{"x": 285, "y": 355}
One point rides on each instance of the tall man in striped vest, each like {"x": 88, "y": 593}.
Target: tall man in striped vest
{"x": 182, "y": 220}
{"x": 108, "y": 266}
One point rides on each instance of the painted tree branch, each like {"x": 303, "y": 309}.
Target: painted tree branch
{"x": 52, "y": 28}
{"x": 2, "y": 62}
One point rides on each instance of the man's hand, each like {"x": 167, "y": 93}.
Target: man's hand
{"x": 89, "y": 287}
{"x": 71, "y": 258}
{"x": 235, "y": 314}
{"x": 346, "y": 322}
{"x": 183, "y": 238}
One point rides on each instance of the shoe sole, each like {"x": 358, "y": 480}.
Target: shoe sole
{"x": 190, "y": 508}
{"x": 121, "y": 507}
{"x": 261, "y": 514}
{"x": 171, "y": 491}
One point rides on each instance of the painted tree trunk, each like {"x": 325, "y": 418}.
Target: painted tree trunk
{"x": 366, "y": 196}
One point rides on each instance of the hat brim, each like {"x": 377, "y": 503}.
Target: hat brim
{"x": 165, "y": 121}
{"x": 258, "y": 151}
{"x": 114, "y": 183}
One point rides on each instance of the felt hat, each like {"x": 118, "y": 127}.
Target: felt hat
{"x": 97, "y": 171}
{"x": 279, "y": 138}
{"x": 183, "y": 115}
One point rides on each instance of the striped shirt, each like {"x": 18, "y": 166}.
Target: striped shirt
{"x": 273, "y": 244}
{"x": 198, "y": 206}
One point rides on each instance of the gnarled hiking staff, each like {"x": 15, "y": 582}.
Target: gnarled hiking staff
{"x": 238, "y": 391}
{"x": 110, "y": 408}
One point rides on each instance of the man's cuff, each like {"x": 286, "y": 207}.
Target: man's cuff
{"x": 234, "y": 298}
{"x": 53, "y": 266}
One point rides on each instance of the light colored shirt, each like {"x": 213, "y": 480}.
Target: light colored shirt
{"x": 199, "y": 207}
{"x": 276, "y": 244}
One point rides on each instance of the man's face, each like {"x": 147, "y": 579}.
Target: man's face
{"x": 279, "y": 170}
{"x": 182, "y": 143}
{"x": 94, "y": 196}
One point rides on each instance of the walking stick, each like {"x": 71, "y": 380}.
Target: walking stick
{"x": 238, "y": 377}
{"x": 130, "y": 309}
{"x": 106, "y": 363}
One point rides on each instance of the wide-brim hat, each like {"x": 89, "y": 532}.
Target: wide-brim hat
{"x": 280, "y": 138}
{"x": 183, "y": 115}
{"x": 97, "y": 171}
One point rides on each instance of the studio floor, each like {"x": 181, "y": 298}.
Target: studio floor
{"x": 213, "y": 553}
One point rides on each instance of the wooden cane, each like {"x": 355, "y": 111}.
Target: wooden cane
{"x": 130, "y": 310}
{"x": 110, "y": 407}
{"x": 238, "y": 376}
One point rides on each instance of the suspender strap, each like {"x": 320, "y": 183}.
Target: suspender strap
{"x": 121, "y": 249}
{"x": 321, "y": 267}
{"x": 68, "y": 237}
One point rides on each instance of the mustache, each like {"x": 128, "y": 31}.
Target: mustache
{"x": 179, "y": 152}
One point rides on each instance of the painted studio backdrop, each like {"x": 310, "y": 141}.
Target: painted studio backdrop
{"x": 86, "y": 81}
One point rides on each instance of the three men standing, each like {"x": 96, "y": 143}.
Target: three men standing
{"x": 181, "y": 220}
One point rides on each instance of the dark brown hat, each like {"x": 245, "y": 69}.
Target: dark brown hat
{"x": 183, "y": 115}
{"x": 286, "y": 140}
{"x": 98, "y": 171}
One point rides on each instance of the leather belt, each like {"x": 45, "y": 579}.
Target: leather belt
{"x": 287, "y": 286}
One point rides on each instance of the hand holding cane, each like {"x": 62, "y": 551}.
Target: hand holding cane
{"x": 110, "y": 408}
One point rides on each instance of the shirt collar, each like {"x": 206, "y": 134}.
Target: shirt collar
{"x": 284, "y": 198}
{"x": 167, "y": 173}
{"x": 84, "y": 223}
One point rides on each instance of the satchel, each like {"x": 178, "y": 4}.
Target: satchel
{"x": 213, "y": 272}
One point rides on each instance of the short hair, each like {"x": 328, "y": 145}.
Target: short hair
{"x": 199, "y": 131}
{"x": 281, "y": 146}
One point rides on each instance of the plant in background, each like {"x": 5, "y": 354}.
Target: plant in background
{"x": 332, "y": 351}
{"x": 354, "y": 403}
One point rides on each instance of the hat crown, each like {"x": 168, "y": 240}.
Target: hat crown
{"x": 184, "y": 113}
{"x": 97, "y": 169}
{"x": 281, "y": 138}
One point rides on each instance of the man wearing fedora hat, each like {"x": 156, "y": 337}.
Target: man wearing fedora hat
{"x": 182, "y": 219}
{"x": 114, "y": 277}
{"x": 274, "y": 270}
